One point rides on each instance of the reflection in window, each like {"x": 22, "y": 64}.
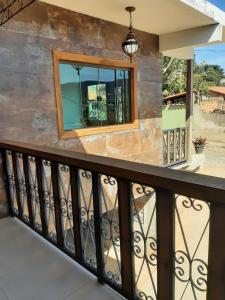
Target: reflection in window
{"x": 94, "y": 96}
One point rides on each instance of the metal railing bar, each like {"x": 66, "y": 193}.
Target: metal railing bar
{"x": 207, "y": 188}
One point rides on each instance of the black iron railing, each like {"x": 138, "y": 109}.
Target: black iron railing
{"x": 148, "y": 232}
{"x": 175, "y": 146}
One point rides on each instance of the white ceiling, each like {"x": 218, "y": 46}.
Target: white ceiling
{"x": 153, "y": 16}
{"x": 181, "y": 25}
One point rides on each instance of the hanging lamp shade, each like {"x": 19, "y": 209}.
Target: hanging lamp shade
{"x": 130, "y": 44}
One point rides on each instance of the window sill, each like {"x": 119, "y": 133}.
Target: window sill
{"x": 98, "y": 130}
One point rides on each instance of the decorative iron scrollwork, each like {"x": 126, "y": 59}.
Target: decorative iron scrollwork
{"x": 142, "y": 295}
{"x": 143, "y": 189}
{"x": 64, "y": 168}
{"x": 185, "y": 268}
{"x": 113, "y": 277}
{"x": 109, "y": 180}
{"x": 144, "y": 241}
{"x": 34, "y": 192}
{"x": 87, "y": 218}
{"x": 11, "y": 182}
{"x": 189, "y": 268}
{"x": 86, "y": 174}
{"x": 110, "y": 229}
{"x": 66, "y": 207}
{"x": 145, "y": 247}
{"x": 195, "y": 204}
{"x": 49, "y": 199}
{"x": 46, "y": 163}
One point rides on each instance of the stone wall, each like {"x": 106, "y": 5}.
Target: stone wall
{"x": 213, "y": 103}
{"x": 27, "y": 96}
{"x": 209, "y": 125}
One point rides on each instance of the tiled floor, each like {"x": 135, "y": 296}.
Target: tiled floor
{"x": 32, "y": 269}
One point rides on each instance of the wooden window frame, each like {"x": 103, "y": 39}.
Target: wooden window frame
{"x": 101, "y": 62}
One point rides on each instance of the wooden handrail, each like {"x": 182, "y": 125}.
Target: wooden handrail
{"x": 206, "y": 188}
{"x": 91, "y": 215}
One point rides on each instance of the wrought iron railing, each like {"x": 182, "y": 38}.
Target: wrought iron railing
{"x": 148, "y": 232}
{"x": 175, "y": 146}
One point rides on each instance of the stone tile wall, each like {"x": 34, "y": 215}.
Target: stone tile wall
{"x": 27, "y": 95}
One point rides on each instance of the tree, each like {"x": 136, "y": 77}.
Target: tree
{"x": 173, "y": 76}
{"x": 205, "y": 75}
{"x": 222, "y": 82}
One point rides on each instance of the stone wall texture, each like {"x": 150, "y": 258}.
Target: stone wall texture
{"x": 27, "y": 95}
{"x": 209, "y": 125}
{"x": 209, "y": 105}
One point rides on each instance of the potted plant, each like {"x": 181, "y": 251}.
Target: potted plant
{"x": 199, "y": 144}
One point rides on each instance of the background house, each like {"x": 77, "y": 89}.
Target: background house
{"x": 217, "y": 91}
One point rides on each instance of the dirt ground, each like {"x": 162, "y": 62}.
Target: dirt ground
{"x": 214, "y": 164}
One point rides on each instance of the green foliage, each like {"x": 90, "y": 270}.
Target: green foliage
{"x": 199, "y": 141}
{"x": 205, "y": 75}
{"x": 173, "y": 76}
{"x": 222, "y": 82}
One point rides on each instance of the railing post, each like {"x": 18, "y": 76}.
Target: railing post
{"x": 180, "y": 143}
{"x": 39, "y": 172}
{"x": 175, "y": 144}
{"x": 57, "y": 206}
{"x": 168, "y": 145}
{"x": 165, "y": 243}
{"x": 28, "y": 189}
{"x": 15, "y": 171}
{"x": 76, "y": 213}
{"x": 97, "y": 223}
{"x": 187, "y": 141}
{"x": 165, "y": 147}
{"x": 189, "y": 106}
{"x": 216, "y": 263}
{"x": 126, "y": 239}
{"x": 6, "y": 181}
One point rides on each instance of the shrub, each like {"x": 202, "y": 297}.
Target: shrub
{"x": 199, "y": 141}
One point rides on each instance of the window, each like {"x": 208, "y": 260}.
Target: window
{"x": 94, "y": 95}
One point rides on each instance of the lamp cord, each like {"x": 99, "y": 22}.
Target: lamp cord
{"x": 131, "y": 22}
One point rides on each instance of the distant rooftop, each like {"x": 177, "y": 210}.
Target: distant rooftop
{"x": 218, "y": 90}
{"x": 180, "y": 95}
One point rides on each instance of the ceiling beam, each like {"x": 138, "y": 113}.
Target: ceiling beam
{"x": 191, "y": 38}
{"x": 182, "y": 53}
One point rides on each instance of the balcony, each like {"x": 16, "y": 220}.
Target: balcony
{"x": 147, "y": 232}
{"x": 175, "y": 146}
{"x": 33, "y": 269}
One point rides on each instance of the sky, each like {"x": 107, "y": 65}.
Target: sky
{"x": 214, "y": 54}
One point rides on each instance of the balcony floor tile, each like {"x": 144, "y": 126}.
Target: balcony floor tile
{"x": 31, "y": 268}
{"x": 94, "y": 292}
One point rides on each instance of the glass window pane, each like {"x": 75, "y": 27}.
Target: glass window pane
{"x": 127, "y": 97}
{"x": 107, "y": 96}
{"x": 70, "y": 91}
{"x": 89, "y": 82}
{"x": 123, "y": 113}
{"x": 94, "y": 96}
